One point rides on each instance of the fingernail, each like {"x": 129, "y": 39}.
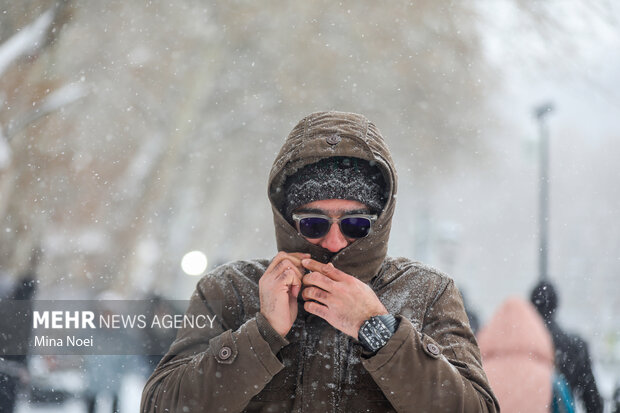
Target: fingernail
{"x": 305, "y": 261}
{"x": 331, "y": 265}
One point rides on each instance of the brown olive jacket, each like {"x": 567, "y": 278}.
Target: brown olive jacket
{"x": 431, "y": 364}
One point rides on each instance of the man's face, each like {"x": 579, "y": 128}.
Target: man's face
{"x": 334, "y": 240}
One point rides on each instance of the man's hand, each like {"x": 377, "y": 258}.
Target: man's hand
{"x": 341, "y": 299}
{"x": 278, "y": 289}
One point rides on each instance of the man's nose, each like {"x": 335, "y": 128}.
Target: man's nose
{"x": 334, "y": 241}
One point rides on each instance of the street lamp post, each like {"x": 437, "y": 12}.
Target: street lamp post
{"x": 540, "y": 112}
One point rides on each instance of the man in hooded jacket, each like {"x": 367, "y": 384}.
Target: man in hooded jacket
{"x": 331, "y": 324}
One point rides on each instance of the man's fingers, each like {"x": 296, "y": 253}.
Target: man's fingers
{"x": 314, "y": 293}
{"x": 290, "y": 277}
{"x": 294, "y": 258}
{"x": 296, "y": 261}
{"x": 312, "y": 265}
{"x": 317, "y": 309}
{"x": 286, "y": 265}
{"x": 275, "y": 261}
{"x": 295, "y": 290}
{"x": 327, "y": 269}
{"x": 319, "y": 280}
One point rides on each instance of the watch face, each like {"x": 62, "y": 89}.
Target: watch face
{"x": 374, "y": 334}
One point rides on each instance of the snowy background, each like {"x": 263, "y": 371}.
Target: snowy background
{"x": 134, "y": 132}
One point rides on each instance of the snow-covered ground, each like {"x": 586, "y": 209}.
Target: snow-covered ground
{"x": 129, "y": 400}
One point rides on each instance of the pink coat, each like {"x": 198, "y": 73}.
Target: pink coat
{"x": 517, "y": 355}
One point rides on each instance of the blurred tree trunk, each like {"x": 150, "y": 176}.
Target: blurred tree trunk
{"x": 24, "y": 99}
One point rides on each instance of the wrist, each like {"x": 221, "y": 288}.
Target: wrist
{"x": 275, "y": 340}
{"x": 274, "y": 325}
{"x": 376, "y": 331}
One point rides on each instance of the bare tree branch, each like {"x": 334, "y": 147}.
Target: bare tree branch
{"x": 27, "y": 41}
{"x": 59, "y": 98}
{"x": 5, "y": 151}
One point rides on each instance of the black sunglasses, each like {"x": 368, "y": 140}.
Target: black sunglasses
{"x": 317, "y": 225}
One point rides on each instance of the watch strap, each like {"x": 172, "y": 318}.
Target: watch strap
{"x": 389, "y": 321}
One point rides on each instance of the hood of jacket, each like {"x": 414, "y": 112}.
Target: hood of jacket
{"x": 324, "y": 135}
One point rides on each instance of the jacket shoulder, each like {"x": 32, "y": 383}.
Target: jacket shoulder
{"x": 398, "y": 267}
{"x": 234, "y": 284}
{"x": 230, "y": 291}
{"x": 236, "y": 272}
{"x": 410, "y": 288}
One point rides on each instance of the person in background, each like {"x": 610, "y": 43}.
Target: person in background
{"x": 615, "y": 400}
{"x": 572, "y": 358}
{"x": 517, "y": 353}
{"x": 14, "y": 367}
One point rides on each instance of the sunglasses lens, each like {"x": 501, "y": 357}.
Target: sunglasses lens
{"x": 313, "y": 227}
{"x": 355, "y": 227}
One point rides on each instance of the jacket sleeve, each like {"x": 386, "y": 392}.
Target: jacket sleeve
{"x": 585, "y": 387}
{"x": 437, "y": 369}
{"x": 211, "y": 369}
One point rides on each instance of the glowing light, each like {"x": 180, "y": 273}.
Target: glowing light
{"x": 194, "y": 263}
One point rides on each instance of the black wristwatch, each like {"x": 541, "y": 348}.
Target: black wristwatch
{"x": 376, "y": 331}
